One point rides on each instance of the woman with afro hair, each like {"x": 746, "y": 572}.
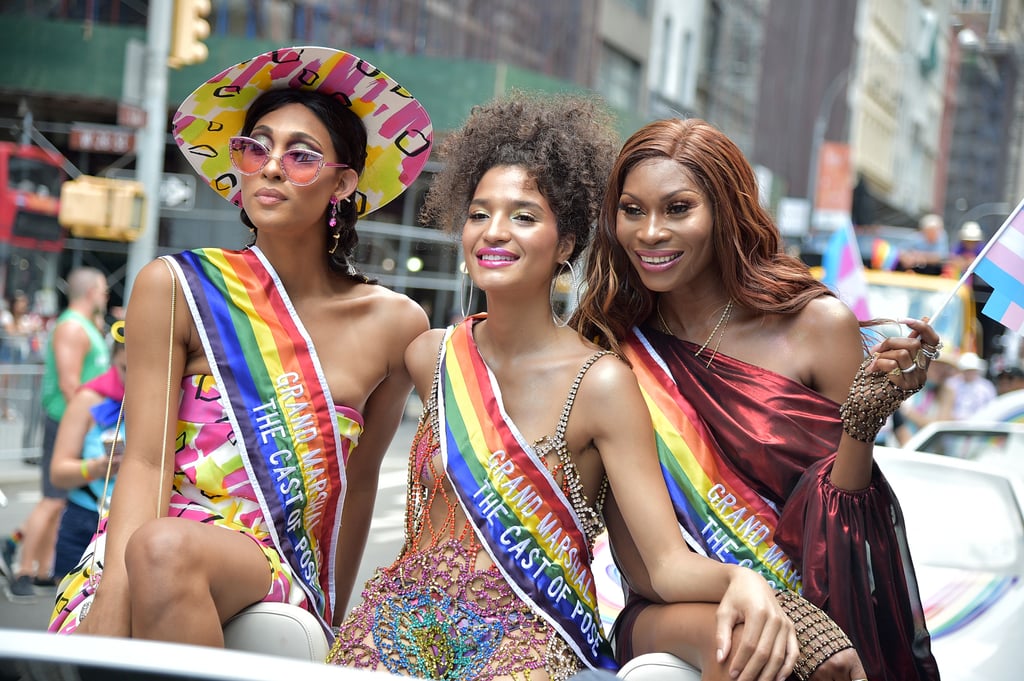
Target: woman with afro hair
{"x": 526, "y": 428}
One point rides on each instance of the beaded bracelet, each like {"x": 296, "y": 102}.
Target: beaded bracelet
{"x": 871, "y": 400}
{"x": 819, "y": 637}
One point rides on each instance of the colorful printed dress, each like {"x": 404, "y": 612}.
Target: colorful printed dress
{"x": 443, "y": 609}
{"x": 269, "y": 459}
{"x": 210, "y": 486}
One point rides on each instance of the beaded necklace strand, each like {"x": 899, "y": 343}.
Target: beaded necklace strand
{"x": 724, "y": 319}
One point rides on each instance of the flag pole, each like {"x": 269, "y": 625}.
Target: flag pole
{"x": 970, "y": 268}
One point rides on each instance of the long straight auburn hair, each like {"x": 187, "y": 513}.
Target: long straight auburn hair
{"x": 747, "y": 245}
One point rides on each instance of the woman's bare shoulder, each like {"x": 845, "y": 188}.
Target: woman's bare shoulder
{"x": 154, "y": 274}
{"x": 831, "y": 346}
{"x": 827, "y": 320}
{"x": 608, "y": 380}
{"x": 403, "y": 317}
{"x": 421, "y": 357}
{"x": 151, "y": 295}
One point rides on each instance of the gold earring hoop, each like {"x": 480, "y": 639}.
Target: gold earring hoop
{"x": 464, "y": 307}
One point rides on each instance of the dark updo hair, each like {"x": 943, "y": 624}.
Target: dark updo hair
{"x": 348, "y": 137}
{"x": 566, "y": 144}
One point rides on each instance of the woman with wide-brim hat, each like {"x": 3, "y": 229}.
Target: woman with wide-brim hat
{"x": 257, "y": 372}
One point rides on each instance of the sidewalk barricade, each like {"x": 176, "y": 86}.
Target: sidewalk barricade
{"x": 21, "y": 412}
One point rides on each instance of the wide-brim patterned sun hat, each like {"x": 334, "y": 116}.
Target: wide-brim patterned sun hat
{"x": 398, "y": 130}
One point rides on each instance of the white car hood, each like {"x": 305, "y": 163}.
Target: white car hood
{"x": 976, "y": 620}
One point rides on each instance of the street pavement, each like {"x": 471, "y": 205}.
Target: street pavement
{"x": 20, "y": 486}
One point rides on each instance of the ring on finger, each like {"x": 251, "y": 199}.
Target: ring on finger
{"x": 896, "y": 372}
{"x": 910, "y": 369}
{"x": 918, "y": 361}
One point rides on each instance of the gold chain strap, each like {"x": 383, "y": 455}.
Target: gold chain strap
{"x": 120, "y": 417}
{"x": 167, "y": 396}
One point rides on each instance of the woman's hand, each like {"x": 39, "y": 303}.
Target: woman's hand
{"x": 97, "y": 468}
{"x": 107, "y": 615}
{"x": 767, "y": 649}
{"x": 906, "y": 358}
{"x": 843, "y": 666}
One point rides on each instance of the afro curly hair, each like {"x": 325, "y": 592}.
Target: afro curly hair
{"x": 566, "y": 143}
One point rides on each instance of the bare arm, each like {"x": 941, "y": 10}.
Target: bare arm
{"x": 66, "y": 468}
{"x": 421, "y": 359}
{"x": 383, "y": 412}
{"x": 144, "y": 481}
{"x": 834, "y": 352}
{"x": 70, "y": 344}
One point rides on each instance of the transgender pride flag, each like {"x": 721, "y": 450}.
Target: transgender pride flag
{"x": 1001, "y": 264}
{"x": 844, "y": 271}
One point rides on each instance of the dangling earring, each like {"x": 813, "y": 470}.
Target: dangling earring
{"x": 333, "y": 224}
{"x": 559, "y": 321}
{"x": 466, "y": 309}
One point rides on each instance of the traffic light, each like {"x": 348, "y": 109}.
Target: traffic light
{"x": 188, "y": 30}
{"x": 102, "y": 208}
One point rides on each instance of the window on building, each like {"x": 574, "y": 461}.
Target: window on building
{"x": 685, "y": 65}
{"x": 712, "y": 36}
{"x": 619, "y": 78}
{"x": 742, "y": 40}
{"x": 666, "y": 53}
{"x": 641, "y": 7}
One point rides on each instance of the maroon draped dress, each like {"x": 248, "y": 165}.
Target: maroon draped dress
{"x": 781, "y": 437}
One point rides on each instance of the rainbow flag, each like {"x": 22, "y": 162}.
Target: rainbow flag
{"x": 844, "y": 271}
{"x": 1001, "y": 265}
{"x": 883, "y": 255}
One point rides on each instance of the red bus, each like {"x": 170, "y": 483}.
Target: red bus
{"x": 30, "y": 180}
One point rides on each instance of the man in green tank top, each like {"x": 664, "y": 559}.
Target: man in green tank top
{"x": 76, "y": 353}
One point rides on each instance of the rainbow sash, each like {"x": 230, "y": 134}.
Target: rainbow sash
{"x": 517, "y": 509}
{"x": 280, "y": 408}
{"x": 720, "y": 515}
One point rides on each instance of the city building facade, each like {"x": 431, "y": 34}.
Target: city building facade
{"x": 921, "y": 98}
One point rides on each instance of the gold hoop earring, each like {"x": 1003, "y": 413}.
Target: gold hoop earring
{"x": 463, "y": 307}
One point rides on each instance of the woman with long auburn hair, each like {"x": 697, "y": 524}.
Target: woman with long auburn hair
{"x": 764, "y": 402}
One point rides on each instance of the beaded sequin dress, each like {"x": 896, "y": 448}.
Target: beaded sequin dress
{"x": 442, "y": 610}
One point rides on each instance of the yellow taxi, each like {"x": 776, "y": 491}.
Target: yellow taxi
{"x": 894, "y": 295}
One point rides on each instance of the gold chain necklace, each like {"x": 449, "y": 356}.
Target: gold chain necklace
{"x": 724, "y": 319}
